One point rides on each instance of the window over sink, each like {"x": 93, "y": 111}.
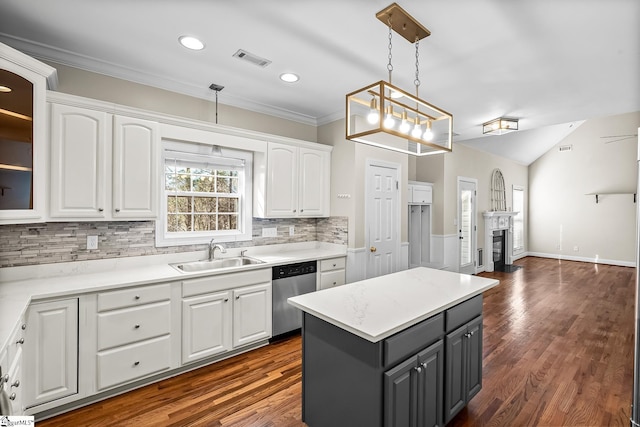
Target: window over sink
{"x": 206, "y": 193}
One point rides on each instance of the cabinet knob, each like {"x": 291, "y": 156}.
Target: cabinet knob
{"x": 20, "y": 341}
{"x": 301, "y": 210}
{"x": 137, "y": 326}
{"x": 117, "y": 210}
{"x": 226, "y": 299}
{"x": 24, "y": 326}
{"x": 334, "y": 283}
{"x": 334, "y": 265}
{"x": 137, "y": 297}
{"x": 100, "y": 210}
{"x": 136, "y": 363}
{"x": 16, "y": 383}
{"x": 419, "y": 369}
{"x": 12, "y": 397}
{"x": 5, "y": 378}
{"x": 294, "y": 210}
{"x": 237, "y": 296}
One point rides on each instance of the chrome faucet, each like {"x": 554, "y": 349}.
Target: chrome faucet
{"x": 212, "y": 250}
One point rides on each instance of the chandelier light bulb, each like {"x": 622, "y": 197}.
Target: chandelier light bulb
{"x": 389, "y": 121}
{"x": 404, "y": 125}
{"x": 373, "y": 115}
{"x": 417, "y": 129}
{"x": 428, "y": 134}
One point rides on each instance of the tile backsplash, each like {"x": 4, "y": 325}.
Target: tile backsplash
{"x": 31, "y": 244}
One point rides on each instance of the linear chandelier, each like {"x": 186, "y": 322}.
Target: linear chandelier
{"x": 386, "y": 116}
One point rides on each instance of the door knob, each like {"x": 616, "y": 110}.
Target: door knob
{"x": 373, "y": 249}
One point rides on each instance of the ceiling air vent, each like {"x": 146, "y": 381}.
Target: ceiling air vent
{"x": 250, "y": 57}
{"x": 565, "y": 148}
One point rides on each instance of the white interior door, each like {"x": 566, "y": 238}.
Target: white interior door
{"x": 382, "y": 228}
{"x": 467, "y": 225}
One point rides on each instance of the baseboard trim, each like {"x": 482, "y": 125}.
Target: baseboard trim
{"x": 583, "y": 259}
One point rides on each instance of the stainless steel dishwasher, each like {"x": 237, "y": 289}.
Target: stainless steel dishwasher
{"x": 288, "y": 281}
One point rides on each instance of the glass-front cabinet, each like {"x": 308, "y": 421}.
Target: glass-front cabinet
{"x": 23, "y": 140}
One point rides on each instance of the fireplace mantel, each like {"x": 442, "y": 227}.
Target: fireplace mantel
{"x": 498, "y": 220}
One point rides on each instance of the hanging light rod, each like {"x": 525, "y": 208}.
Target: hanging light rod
{"x": 403, "y": 23}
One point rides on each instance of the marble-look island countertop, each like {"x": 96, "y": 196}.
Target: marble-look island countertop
{"x": 377, "y": 308}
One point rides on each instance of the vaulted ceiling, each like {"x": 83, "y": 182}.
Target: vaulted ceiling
{"x": 551, "y": 63}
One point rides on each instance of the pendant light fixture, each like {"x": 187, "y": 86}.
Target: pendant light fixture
{"x": 386, "y": 116}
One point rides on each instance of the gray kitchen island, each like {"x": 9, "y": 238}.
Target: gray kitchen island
{"x": 404, "y": 349}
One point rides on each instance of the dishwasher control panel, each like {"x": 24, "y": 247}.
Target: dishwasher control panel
{"x": 291, "y": 270}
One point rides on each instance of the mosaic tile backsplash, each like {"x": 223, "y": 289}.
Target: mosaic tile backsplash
{"x": 30, "y": 244}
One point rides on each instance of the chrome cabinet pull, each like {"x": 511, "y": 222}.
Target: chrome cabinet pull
{"x": 12, "y": 397}
{"x": 16, "y": 383}
{"x": 137, "y": 326}
{"x": 137, "y": 297}
{"x": 100, "y": 210}
{"x": 20, "y": 341}
{"x": 136, "y": 363}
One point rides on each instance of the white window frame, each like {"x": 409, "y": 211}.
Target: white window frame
{"x": 172, "y": 148}
{"x": 519, "y": 218}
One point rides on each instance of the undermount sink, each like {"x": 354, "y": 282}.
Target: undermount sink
{"x": 215, "y": 264}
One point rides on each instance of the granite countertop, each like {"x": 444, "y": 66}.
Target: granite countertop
{"x": 21, "y": 285}
{"x": 377, "y": 308}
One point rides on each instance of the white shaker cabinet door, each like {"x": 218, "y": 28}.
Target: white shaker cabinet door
{"x": 282, "y": 180}
{"x": 251, "y": 314}
{"x": 314, "y": 182}
{"x": 206, "y": 326}
{"x": 135, "y": 168}
{"x": 79, "y": 162}
{"x": 51, "y": 351}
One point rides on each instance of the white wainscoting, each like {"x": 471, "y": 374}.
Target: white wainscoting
{"x": 445, "y": 251}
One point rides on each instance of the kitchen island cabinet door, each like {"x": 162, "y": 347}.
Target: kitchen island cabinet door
{"x": 51, "y": 351}
{"x": 136, "y": 160}
{"x": 430, "y": 385}
{"x": 206, "y": 326}
{"x": 401, "y": 391}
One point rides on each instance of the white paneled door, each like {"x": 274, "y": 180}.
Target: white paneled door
{"x": 382, "y": 232}
{"x": 467, "y": 225}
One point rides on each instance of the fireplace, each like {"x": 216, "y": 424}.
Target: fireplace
{"x": 498, "y": 232}
{"x": 499, "y": 250}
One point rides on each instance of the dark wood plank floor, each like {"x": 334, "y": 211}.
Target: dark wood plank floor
{"x": 558, "y": 351}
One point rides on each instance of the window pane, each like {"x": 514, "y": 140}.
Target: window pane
{"x": 178, "y": 222}
{"x": 178, "y": 204}
{"x": 204, "y": 222}
{"x": 227, "y": 204}
{"x": 170, "y": 181}
{"x": 227, "y": 222}
{"x": 223, "y": 185}
{"x": 203, "y": 184}
{"x": 204, "y": 204}
{"x": 183, "y": 182}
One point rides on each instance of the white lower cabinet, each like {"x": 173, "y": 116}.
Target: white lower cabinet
{"x": 50, "y": 351}
{"x": 11, "y": 381}
{"x": 133, "y": 334}
{"x": 251, "y": 314}
{"x": 224, "y": 312}
{"x": 213, "y": 310}
{"x": 332, "y": 273}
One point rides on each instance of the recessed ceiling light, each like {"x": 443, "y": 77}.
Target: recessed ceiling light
{"x": 5, "y": 89}
{"x": 191, "y": 42}
{"x": 289, "y": 77}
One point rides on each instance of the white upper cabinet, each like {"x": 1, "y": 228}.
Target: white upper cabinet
{"x": 136, "y": 144}
{"x": 292, "y": 181}
{"x": 103, "y": 166}
{"x": 420, "y": 193}
{"x": 23, "y": 137}
{"x": 79, "y": 162}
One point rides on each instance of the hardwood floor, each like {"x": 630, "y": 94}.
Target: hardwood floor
{"x": 558, "y": 351}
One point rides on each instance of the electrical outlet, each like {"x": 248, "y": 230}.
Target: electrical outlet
{"x": 292, "y": 230}
{"x": 269, "y": 232}
{"x": 92, "y": 242}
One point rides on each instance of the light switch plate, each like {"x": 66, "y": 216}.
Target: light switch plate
{"x": 92, "y": 242}
{"x": 292, "y": 230}
{"x": 269, "y": 232}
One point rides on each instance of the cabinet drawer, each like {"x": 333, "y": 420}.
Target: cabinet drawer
{"x": 133, "y": 324}
{"x": 221, "y": 282}
{"x": 133, "y": 297}
{"x": 332, "y": 264}
{"x": 132, "y": 362}
{"x": 408, "y": 342}
{"x": 331, "y": 279}
{"x": 463, "y": 312}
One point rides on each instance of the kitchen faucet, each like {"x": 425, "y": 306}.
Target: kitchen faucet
{"x": 212, "y": 250}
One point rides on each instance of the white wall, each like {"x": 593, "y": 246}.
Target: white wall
{"x": 562, "y": 216}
